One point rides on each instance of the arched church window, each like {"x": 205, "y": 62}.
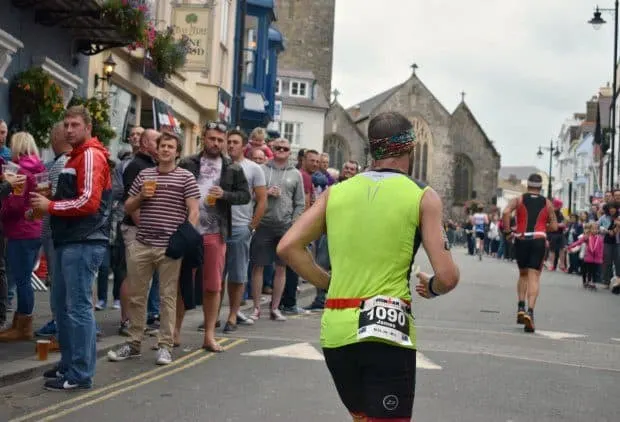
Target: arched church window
{"x": 416, "y": 163}
{"x": 337, "y": 148}
{"x": 424, "y": 139}
{"x": 424, "y": 161}
{"x": 463, "y": 178}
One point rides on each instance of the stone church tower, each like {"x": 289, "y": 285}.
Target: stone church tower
{"x": 308, "y": 29}
{"x": 453, "y": 154}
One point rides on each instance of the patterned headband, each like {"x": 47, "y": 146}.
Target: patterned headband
{"x": 534, "y": 184}
{"x": 392, "y": 146}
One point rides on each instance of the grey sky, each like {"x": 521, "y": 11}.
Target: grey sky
{"x": 525, "y": 65}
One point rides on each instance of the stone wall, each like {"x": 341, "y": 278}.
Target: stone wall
{"x": 308, "y": 30}
{"x": 470, "y": 140}
{"x": 414, "y": 100}
{"x": 338, "y": 122}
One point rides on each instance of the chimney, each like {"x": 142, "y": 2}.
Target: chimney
{"x": 591, "y": 109}
{"x": 355, "y": 112}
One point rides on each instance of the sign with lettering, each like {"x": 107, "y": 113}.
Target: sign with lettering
{"x": 195, "y": 22}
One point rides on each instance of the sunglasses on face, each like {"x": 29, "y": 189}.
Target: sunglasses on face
{"x": 216, "y": 126}
{"x": 285, "y": 149}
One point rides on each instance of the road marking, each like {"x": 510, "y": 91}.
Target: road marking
{"x": 297, "y": 351}
{"x": 615, "y": 339}
{"x": 175, "y": 364}
{"x": 558, "y": 335}
{"x": 422, "y": 362}
{"x": 527, "y": 359}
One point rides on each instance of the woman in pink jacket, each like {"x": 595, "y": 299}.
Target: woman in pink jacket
{"x": 23, "y": 236}
{"x": 593, "y": 258}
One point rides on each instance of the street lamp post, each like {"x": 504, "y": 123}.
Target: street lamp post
{"x": 597, "y": 21}
{"x": 554, "y": 151}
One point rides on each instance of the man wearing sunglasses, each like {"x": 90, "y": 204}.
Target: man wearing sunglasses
{"x": 285, "y": 203}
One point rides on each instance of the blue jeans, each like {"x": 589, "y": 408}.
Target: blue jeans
{"x": 21, "y": 255}
{"x": 74, "y": 275}
{"x": 152, "y": 306}
{"x": 48, "y": 250}
{"x": 103, "y": 277}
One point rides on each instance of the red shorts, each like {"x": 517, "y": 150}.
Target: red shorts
{"x": 214, "y": 260}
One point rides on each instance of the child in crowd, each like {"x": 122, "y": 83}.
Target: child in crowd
{"x": 593, "y": 257}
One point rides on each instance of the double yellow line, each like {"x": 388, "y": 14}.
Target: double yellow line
{"x": 148, "y": 377}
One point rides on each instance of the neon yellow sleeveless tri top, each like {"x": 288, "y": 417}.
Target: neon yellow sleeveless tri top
{"x": 372, "y": 232}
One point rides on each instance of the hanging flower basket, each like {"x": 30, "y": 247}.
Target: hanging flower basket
{"x": 99, "y": 110}
{"x": 36, "y": 104}
{"x": 168, "y": 54}
{"x": 132, "y": 17}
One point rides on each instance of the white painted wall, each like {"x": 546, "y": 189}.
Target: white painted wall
{"x": 506, "y": 197}
{"x": 312, "y": 125}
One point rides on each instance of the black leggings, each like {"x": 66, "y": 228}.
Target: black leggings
{"x": 590, "y": 272}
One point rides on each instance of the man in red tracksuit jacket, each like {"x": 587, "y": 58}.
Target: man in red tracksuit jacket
{"x": 80, "y": 222}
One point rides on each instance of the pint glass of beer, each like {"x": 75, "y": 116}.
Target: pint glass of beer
{"x": 150, "y": 184}
{"x": 44, "y": 187}
{"x": 12, "y": 168}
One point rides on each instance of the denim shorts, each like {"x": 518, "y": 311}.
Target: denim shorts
{"x": 264, "y": 244}
{"x": 238, "y": 254}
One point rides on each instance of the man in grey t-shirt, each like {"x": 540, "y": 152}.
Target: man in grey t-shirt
{"x": 245, "y": 219}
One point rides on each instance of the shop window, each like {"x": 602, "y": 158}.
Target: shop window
{"x": 68, "y": 81}
{"x": 8, "y": 46}
{"x": 122, "y": 117}
{"x": 298, "y": 89}
{"x": 249, "y": 65}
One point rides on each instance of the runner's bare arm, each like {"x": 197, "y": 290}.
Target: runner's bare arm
{"x": 507, "y": 214}
{"x": 305, "y": 230}
{"x": 434, "y": 241}
{"x": 552, "y": 221}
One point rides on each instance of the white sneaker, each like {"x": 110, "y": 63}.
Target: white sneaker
{"x": 242, "y": 319}
{"x": 164, "y": 357}
{"x": 100, "y": 306}
{"x": 117, "y": 304}
{"x": 276, "y": 315}
{"x": 255, "y": 315}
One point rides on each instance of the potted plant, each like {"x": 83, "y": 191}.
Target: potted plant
{"x": 168, "y": 54}
{"x": 131, "y": 17}
{"x": 99, "y": 110}
{"x": 36, "y": 104}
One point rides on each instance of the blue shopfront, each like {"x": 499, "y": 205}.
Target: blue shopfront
{"x": 256, "y": 64}
{"x": 56, "y": 36}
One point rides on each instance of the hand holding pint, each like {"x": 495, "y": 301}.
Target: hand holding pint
{"x": 213, "y": 195}
{"x": 149, "y": 186}
{"x": 10, "y": 170}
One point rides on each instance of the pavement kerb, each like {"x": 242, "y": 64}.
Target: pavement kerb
{"x": 13, "y": 372}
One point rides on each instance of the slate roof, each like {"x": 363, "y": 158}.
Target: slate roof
{"x": 473, "y": 118}
{"x": 367, "y": 106}
{"x": 521, "y": 172}
{"x": 293, "y": 74}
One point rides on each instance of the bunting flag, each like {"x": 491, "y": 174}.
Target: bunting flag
{"x": 164, "y": 119}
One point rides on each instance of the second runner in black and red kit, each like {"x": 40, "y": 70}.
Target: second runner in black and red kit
{"x": 535, "y": 216}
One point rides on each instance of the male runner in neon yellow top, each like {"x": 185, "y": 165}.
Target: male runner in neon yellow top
{"x": 375, "y": 223}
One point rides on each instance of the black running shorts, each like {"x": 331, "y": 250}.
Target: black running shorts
{"x": 374, "y": 379}
{"x": 480, "y": 235}
{"x": 530, "y": 253}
